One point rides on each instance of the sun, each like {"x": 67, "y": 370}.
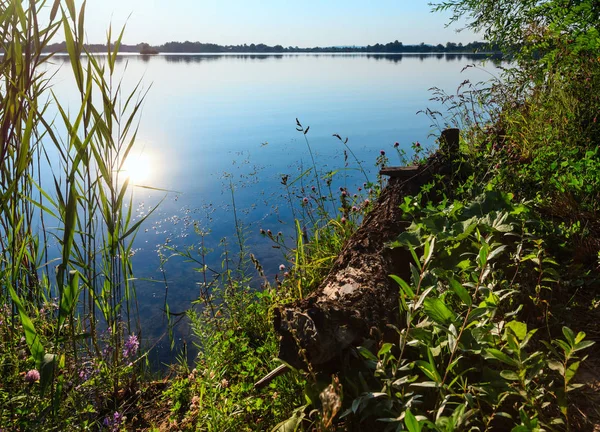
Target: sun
{"x": 137, "y": 168}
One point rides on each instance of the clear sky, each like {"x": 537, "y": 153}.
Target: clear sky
{"x": 285, "y": 22}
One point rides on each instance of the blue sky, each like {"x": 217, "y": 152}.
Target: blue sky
{"x": 285, "y": 22}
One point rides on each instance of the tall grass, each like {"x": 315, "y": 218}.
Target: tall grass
{"x": 87, "y": 198}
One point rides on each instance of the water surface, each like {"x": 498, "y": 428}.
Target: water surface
{"x": 214, "y": 120}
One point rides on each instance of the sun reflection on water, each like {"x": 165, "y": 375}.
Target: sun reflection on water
{"x": 138, "y": 168}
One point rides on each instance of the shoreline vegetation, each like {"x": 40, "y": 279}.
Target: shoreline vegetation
{"x": 498, "y": 289}
{"x": 203, "y": 48}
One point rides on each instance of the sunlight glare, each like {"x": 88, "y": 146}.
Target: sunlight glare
{"x": 138, "y": 168}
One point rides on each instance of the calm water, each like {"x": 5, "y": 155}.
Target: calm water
{"x": 209, "y": 119}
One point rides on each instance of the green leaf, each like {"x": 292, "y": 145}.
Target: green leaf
{"x": 293, "y": 423}
{"x": 31, "y": 336}
{"x": 571, "y": 371}
{"x": 429, "y": 248}
{"x": 437, "y": 310}
{"x": 557, "y": 366}
{"x": 54, "y": 9}
{"x": 460, "y": 291}
{"x": 483, "y": 255}
{"x": 385, "y": 349}
{"x": 412, "y": 424}
{"x": 583, "y": 345}
{"x": 518, "y": 328}
{"x": 499, "y": 355}
{"x": 405, "y": 287}
{"x": 580, "y": 336}
{"x": 366, "y": 353}
{"x": 569, "y": 335}
{"x": 47, "y": 369}
{"x": 509, "y": 375}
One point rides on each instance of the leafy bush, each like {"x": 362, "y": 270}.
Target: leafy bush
{"x": 469, "y": 354}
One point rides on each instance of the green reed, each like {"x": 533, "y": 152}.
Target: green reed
{"x": 87, "y": 198}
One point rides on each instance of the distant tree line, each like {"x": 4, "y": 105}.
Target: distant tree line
{"x": 199, "y": 47}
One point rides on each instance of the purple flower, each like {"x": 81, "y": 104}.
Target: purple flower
{"x": 305, "y": 200}
{"x": 114, "y": 423}
{"x": 344, "y": 193}
{"x": 281, "y": 267}
{"x": 367, "y": 202}
{"x": 396, "y": 144}
{"x": 131, "y": 346}
{"x": 84, "y": 374}
{"x": 107, "y": 350}
{"x": 382, "y": 152}
{"x": 262, "y": 231}
{"x": 343, "y": 220}
{"x": 32, "y": 376}
{"x": 354, "y": 208}
{"x": 417, "y": 144}
{"x": 313, "y": 188}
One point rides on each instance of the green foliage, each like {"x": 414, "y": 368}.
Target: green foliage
{"x": 466, "y": 357}
{"x": 529, "y": 27}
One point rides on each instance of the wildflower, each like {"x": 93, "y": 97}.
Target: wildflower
{"x": 417, "y": 144}
{"x": 281, "y": 267}
{"x": 396, "y": 144}
{"x": 305, "y": 200}
{"x": 286, "y": 274}
{"x": 279, "y": 234}
{"x": 131, "y": 346}
{"x": 313, "y": 188}
{"x": 382, "y": 152}
{"x": 262, "y": 231}
{"x": 224, "y": 383}
{"x": 84, "y": 374}
{"x": 367, "y": 202}
{"x": 107, "y": 351}
{"x": 354, "y": 196}
{"x": 343, "y": 220}
{"x": 114, "y": 423}
{"x": 269, "y": 233}
{"x": 32, "y": 376}
{"x": 344, "y": 193}
{"x": 354, "y": 208}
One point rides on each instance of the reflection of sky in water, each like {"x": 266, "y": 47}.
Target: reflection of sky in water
{"x": 207, "y": 115}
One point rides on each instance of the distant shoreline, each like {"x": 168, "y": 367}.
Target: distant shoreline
{"x": 187, "y": 47}
{"x": 272, "y": 54}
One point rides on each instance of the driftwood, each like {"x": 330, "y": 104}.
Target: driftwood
{"x": 358, "y": 298}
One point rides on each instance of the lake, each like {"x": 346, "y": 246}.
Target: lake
{"x": 211, "y": 122}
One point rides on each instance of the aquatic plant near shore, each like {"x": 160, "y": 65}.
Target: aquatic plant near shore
{"x": 89, "y": 274}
